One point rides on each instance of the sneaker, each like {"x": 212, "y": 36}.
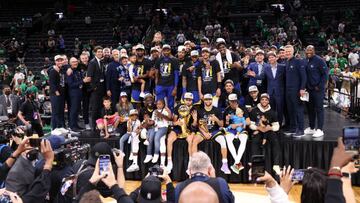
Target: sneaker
{"x": 225, "y": 168}
{"x": 298, "y": 134}
{"x": 155, "y": 158}
{"x": 87, "y": 127}
{"x": 309, "y": 131}
{"x": 290, "y": 132}
{"x": 235, "y": 168}
{"x": 134, "y": 167}
{"x": 169, "y": 166}
{"x": 142, "y": 95}
{"x": 148, "y": 158}
{"x": 318, "y": 133}
{"x": 146, "y": 142}
{"x": 131, "y": 157}
{"x": 277, "y": 170}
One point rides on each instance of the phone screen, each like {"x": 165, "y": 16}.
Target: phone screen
{"x": 351, "y": 138}
{"x": 298, "y": 175}
{"x": 104, "y": 164}
{"x": 257, "y": 167}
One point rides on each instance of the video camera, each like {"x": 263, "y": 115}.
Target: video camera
{"x": 8, "y": 129}
{"x": 70, "y": 152}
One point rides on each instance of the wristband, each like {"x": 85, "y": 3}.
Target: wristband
{"x": 346, "y": 175}
{"x": 219, "y": 85}
{"x": 335, "y": 174}
{"x": 13, "y": 157}
{"x": 336, "y": 168}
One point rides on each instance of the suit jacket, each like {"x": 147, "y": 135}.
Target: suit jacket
{"x": 275, "y": 86}
{"x": 259, "y": 76}
{"x": 15, "y": 104}
{"x": 96, "y": 72}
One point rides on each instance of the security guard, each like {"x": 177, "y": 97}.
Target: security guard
{"x": 74, "y": 78}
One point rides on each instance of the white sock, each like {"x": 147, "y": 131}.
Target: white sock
{"x": 162, "y": 160}
{"x": 224, "y": 161}
{"x": 135, "y": 159}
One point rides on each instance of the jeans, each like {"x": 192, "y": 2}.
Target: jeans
{"x": 57, "y": 111}
{"x": 154, "y": 140}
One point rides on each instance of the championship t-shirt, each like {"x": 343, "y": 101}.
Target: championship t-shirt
{"x": 231, "y": 73}
{"x": 141, "y": 68}
{"x": 166, "y": 67}
{"x": 204, "y": 114}
{"x": 208, "y": 77}
{"x": 191, "y": 76}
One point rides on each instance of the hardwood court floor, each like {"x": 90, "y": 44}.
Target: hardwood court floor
{"x": 249, "y": 192}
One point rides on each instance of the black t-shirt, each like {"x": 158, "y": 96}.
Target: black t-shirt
{"x": 232, "y": 112}
{"x": 166, "y": 67}
{"x": 211, "y": 125}
{"x": 143, "y": 67}
{"x": 208, "y": 77}
{"x": 270, "y": 116}
{"x": 107, "y": 112}
{"x": 224, "y": 97}
{"x": 146, "y": 111}
{"x": 29, "y": 111}
{"x": 249, "y": 101}
{"x": 191, "y": 120}
{"x": 191, "y": 77}
{"x": 231, "y": 73}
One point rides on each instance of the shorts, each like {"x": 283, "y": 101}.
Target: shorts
{"x": 214, "y": 134}
{"x": 110, "y": 121}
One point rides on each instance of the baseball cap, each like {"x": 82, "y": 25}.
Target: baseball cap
{"x": 253, "y": 88}
{"x": 188, "y": 95}
{"x": 187, "y": 42}
{"x": 166, "y": 46}
{"x": 124, "y": 56}
{"x": 205, "y": 39}
{"x": 140, "y": 46}
{"x": 99, "y": 149}
{"x": 123, "y": 94}
{"x": 181, "y": 48}
{"x": 153, "y": 49}
{"x": 150, "y": 190}
{"x": 208, "y": 96}
{"x": 282, "y": 48}
{"x": 273, "y": 47}
{"x": 57, "y": 57}
{"x": 220, "y": 41}
{"x": 133, "y": 112}
{"x": 232, "y": 97}
{"x": 194, "y": 53}
{"x": 148, "y": 95}
{"x": 229, "y": 81}
{"x": 265, "y": 95}
{"x": 205, "y": 49}
{"x": 260, "y": 52}
{"x": 271, "y": 53}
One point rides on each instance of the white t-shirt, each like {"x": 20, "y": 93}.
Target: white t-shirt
{"x": 18, "y": 76}
{"x": 354, "y": 58}
{"x": 160, "y": 123}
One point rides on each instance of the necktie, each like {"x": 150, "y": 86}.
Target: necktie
{"x": 8, "y": 104}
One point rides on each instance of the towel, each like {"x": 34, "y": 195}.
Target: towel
{"x": 219, "y": 59}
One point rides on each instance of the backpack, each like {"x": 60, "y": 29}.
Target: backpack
{"x": 69, "y": 184}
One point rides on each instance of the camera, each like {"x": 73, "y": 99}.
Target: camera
{"x": 8, "y": 129}
{"x": 156, "y": 170}
{"x": 70, "y": 152}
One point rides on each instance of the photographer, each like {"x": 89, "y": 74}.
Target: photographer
{"x": 29, "y": 115}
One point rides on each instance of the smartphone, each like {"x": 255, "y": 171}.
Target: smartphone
{"x": 351, "y": 139}
{"x": 104, "y": 164}
{"x": 257, "y": 166}
{"x": 34, "y": 142}
{"x": 298, "y": 175}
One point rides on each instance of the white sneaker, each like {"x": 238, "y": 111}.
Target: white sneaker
{"x": 131, "y": 157}
{"x": 155, "y": 158}
{"x": 148, "y": 158}
{"x": 318, "y": 133}
{"x": 87, "y": 127}
{"x": 134, "y": 167}
{"x": 142, "y": 95}
{"x": 169, "y": 166}
{"x": 277, "y": 170}
{"x": 146, "y": 142}
{"x": 309, "y": 131}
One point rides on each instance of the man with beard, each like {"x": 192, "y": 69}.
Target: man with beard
{"x": 96, "y": 77}
{"x": 167, "y": 77}
{"x": 281, "y": 58}
{"x": 228, "y": 89}
{"x": 229, "y": 63}
{"x": 112, "y": 78}
{"x": 317, "y": 71}
{"x": 84, "y": 61}
{"x": 143, "y": 67}
{"x": 57, "y": 93}
{"x": 106, "y": 57}
{"x": 189, "y": 75}
{"x": 75, "y": 83}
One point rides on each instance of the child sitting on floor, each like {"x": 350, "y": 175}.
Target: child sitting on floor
{"x": 109, "y": 117}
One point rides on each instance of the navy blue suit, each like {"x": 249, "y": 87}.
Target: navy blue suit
{"x": 295, "y": 81}
{"x": 316, "y": 71}
{"x": 112, "y": 81}
{"x": 276, "y": 89}
{"x": 258, "y": 79}
{"x": 75, "y": 83}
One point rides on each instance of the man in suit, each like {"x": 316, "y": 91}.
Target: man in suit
{"x": 112, "y": 78}
{"x": 274, "y": 75}
{"x": 295, "y": 88}
{"x": 256, "y": 71}
{"x": 96, "y": 78}
{"x": 10, "y": 102}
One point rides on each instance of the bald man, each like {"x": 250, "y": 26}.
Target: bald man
{"x": 198, "y": 192}
{"x": 316, "y": 70}
{"x": 202, "y": 171}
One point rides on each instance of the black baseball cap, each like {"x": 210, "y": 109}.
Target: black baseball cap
{"x": 98, "y": 149}
{"x": 150, "y": 190}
